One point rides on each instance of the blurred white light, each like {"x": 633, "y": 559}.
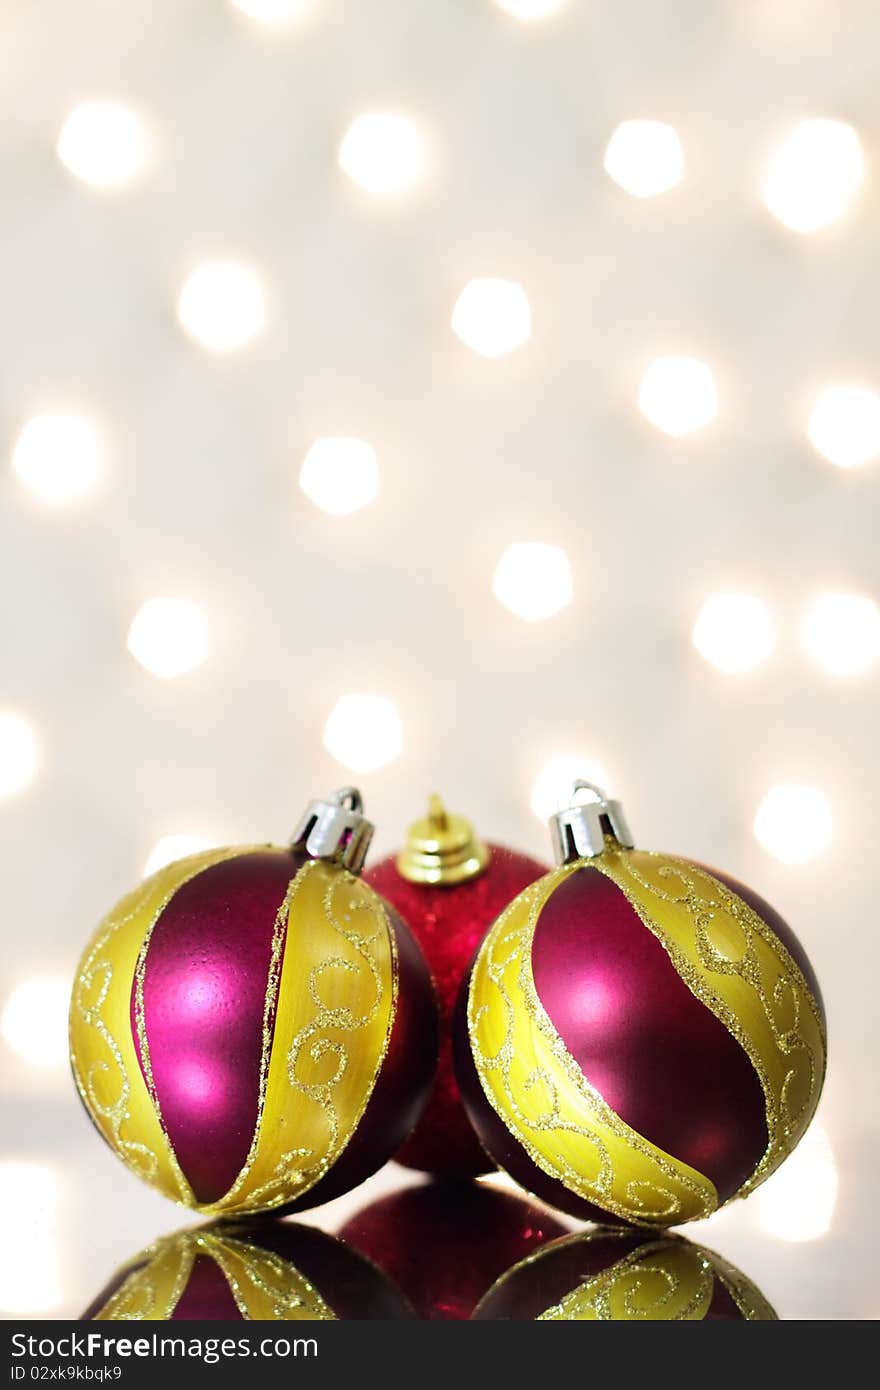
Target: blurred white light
{"x": 170, "y": 848}
{"x": 794, "y": 823}
{"x": 36, "y": 1190}
{"x": 382, "y": 152}
{"x": 797, "y": 1202}
{"x": 222, "y": 305}
{"x": 30, "y": 1264}
{"x": 530, "y": 10}
{"x": 678, "y": 395}
{"x": 19, "y": 754}
{"x": 551, "y": 789}
{"x": 645, "y": 158}
{"x": 533, "y": 580}
{"x": 340, "y": 475}
{"x": 734, "y": 632}
{"x": 271, "y": 11}
{"x": 364, "y": 732}
{"x": 57, "y": 456}
{"x": 841, "y": 633}
{"x": 30, "y": 1275}
{"x": 492, "y": 317}
{"x": 844, "y": 425}
{"x": 169, "y": 636}
{"x": 813, "y": 174}
{"x": 103, "y": 143}
{"x": 34, "y": 1020}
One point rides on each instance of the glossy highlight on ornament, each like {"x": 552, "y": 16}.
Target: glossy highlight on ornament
{"x": 639, "y": 1037}
{"x": 448, "y": 885}
{"x": 254, "y": 1029}
{"x": 619, "y": 1275}
{"x": 242, "y": 1270}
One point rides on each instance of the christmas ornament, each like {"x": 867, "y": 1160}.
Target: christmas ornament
{"x": 448, "y": 887}
{"x": 260, "y": 1270}
{"x": 444, "y": 1243}
{"x": 254, "y": 1029}
{"x": 620, "y": 1275}
{"x": 639, "y": 1036}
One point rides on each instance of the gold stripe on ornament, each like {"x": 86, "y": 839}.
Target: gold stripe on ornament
{"x": 735, "y": 964}
{"x": 151, "y": 1293}
{"x": 265, "y": 1286}
{"x": 337, "y": 998}
{"x": 664, "y": 1281}
{"x": 543, "y": 1097}
{"x": 103, "y": 1054}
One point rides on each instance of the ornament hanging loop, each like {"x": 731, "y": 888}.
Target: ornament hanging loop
{"x": 580, "y": 830}
{"x": 336, "y": 830}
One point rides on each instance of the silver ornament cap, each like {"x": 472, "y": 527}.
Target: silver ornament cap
{"x": 336, "y": 830}
{"x": 579, "y": 831}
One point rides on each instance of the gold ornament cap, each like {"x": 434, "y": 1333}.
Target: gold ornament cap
{"x": 442, "y": 848}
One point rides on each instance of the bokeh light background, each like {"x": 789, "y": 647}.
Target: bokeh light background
{"x": 326, "y": 314}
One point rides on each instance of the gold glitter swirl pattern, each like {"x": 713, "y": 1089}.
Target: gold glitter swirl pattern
{"x": 543, "y": 1097}
{"x": 663, "y": 1281}
{"x": 734, "y": 963}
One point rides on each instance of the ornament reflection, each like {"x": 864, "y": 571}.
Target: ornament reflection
{"x": 612, "y": 1274}
{"x": 243, "y": 1270}
{"x": 445, "y": 1243}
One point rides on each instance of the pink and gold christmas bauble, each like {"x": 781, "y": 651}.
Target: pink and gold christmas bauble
{"x": 248, "y": 1270}
{"x": 448, "y": 887}
{"x": 255, "y": 1029}
{"x": 620, "y": 1275}
{"x": 640, "y": 1037}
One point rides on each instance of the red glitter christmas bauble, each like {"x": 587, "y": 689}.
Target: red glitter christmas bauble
{"x": 444, "y": 1244}
{"x": 448, "y": 888}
